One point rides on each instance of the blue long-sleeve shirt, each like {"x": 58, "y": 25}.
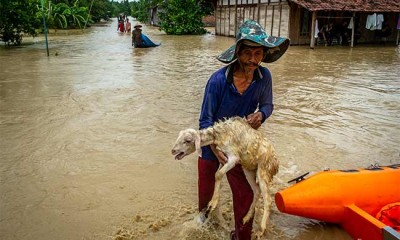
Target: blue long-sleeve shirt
{"x": 222, "y": 100}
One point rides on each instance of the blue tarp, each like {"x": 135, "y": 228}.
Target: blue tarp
{"x": 146, "y": 42}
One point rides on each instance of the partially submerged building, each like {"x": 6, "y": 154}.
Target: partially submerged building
{"x": 302, "y": 20}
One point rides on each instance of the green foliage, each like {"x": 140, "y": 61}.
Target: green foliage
{"x": 22, "y": 17}
{"x": 17, "y": 17}
{"x": 77, "y": 15}
{"x": 207, "y": 8}
{"x": 177, "y": 20}
{"x": 140, "y": 10}
{"x": 121, "y": 8}
{"x": 101, "y": 9}
{"x": 56, "y": 15}
{"x": 62, "y": 15}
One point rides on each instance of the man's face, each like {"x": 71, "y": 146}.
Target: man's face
{"x": 250, "y": 57}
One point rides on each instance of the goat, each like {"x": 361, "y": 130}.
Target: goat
{"x": 242, "y": 145}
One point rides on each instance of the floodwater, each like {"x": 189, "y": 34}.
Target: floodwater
{"x": 86, "y": 132}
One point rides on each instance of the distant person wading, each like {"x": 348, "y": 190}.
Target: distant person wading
{"x": 121, "y": 26}
{"x": 139, "y": 40}
{"x": 137, "y": 36}
{"x": 127, "y": 25}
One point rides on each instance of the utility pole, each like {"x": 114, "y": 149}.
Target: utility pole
{"x": 45, "y": 28}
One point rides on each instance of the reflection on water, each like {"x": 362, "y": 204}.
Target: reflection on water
{"x": 86, "y": 133}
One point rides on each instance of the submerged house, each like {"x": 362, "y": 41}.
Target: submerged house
{"x": 304, "y": 21}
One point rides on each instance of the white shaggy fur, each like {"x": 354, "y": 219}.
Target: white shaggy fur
{"x": 242, "y": 145}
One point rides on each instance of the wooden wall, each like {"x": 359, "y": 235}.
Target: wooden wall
{"x": 283, "y": 18}
{"x": 272, "y": 15}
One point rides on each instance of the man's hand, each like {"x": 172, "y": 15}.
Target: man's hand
{"x": 219, "y": 154}
{"x": 254, "y": 120}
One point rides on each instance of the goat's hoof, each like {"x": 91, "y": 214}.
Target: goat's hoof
{"x": 260, "y": 234}
{"x": 209, "y": 209}
{"x": 211, "y": 206}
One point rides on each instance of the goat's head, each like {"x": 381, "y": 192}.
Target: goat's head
{"x": 187, "y": 143}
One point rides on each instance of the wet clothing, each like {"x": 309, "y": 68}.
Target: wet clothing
{"x": 136, "y": 37}
{"x": 121, "y": 26}
{"x": 241, "y": 192}
{"x": 222, "y": 100}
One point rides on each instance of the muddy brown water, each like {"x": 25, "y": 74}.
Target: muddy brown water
{"x": 86, "y": 133}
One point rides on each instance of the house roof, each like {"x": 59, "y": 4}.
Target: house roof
{"x": 350, "y": 5}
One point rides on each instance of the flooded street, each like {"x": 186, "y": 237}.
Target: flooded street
{"x": 86, "y": 133}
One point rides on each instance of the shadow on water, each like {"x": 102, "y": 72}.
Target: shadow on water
{"x": 86, "y": 133}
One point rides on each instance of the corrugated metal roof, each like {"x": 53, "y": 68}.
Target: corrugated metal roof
{"x": 350, "y": 5}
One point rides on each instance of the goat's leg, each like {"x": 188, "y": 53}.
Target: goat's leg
{"x": 264, "y": 182}
{"x": 218, "y": 177}
{"x": 251, "y": 178}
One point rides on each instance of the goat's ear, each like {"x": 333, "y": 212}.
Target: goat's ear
{"x": 197, "y": 141}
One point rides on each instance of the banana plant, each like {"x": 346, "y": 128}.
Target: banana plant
{"x": 58, "y": 14}
{"x": 61, "y": 15}
{"x": 78, "y": 15}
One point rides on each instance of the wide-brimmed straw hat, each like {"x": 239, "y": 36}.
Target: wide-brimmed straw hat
{"x": 251, "y": 33}
{"x": 137, "y": 26}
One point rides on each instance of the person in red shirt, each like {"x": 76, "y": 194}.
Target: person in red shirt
{"x": 121, "y": 26}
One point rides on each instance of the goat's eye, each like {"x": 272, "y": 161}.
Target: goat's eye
{"x": 188, "y": 141}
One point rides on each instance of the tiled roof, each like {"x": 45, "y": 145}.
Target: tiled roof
{"x": 350, "y": 5}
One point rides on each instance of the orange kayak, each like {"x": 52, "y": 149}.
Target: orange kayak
{"x": 356, "y": 199}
